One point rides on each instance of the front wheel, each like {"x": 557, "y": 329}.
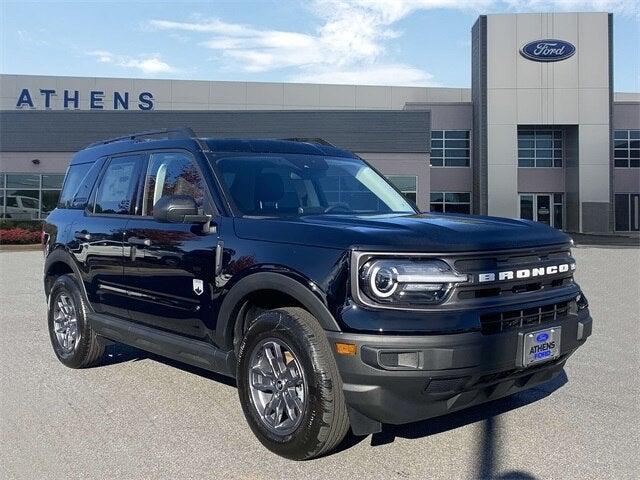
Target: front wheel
{"x": 289, "y": 385}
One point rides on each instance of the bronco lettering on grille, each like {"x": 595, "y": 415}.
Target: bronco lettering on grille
{"x": 525, "y": 273}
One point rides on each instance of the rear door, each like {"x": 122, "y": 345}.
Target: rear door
{"x": 169, "y": 267}
{"x": 98, "y": 237}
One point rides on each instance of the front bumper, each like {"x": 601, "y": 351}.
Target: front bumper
{"x": 400, "y": 379}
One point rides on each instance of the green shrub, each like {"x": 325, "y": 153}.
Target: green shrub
{"x": 31, "y": 225}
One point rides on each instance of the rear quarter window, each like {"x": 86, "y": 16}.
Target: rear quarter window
{"x": 78, "y": 184}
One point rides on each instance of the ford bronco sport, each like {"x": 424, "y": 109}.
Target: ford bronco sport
{"x": 296, "y": 268}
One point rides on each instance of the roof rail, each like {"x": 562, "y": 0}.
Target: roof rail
{"x": 181, "y": 132}
{"x": 318, "y": 140}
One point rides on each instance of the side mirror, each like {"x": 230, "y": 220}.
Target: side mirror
{"x": 178, "y": 209}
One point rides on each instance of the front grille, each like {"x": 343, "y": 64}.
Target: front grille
{"x": 514, "y": 319}
{"x": 512, "y": 288}
{"x": 524, "y": 259}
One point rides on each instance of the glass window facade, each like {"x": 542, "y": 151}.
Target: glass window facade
{"x": 407, "y": 184}
{"x": 540, "y": 148}
{"x": 29, "y": 196}
{"x": 451, "y": 202}
{"x": 450, "y": 148}
{"x": 626, "y": 148}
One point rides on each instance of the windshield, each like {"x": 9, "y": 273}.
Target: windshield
{"x": 292, "y": 184}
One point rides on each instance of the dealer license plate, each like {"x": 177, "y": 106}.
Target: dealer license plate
{"x": 541, "y": 346}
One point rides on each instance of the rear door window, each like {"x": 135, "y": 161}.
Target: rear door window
{"x": 116, "y": 191}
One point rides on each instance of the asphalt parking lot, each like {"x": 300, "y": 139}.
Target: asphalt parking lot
{"x": 143, "y": 417}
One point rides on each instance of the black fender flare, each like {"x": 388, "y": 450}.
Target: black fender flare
{"x": 60, "y": 255}
{"x": 271, "y": 281}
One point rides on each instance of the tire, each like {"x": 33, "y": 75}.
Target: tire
{"x": 322, "y": 422}
{"x": 83, "y": 349}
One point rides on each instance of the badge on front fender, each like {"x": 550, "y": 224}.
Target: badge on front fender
{"x": 198, "y": 286}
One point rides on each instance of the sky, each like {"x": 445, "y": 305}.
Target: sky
{"x": 377, "y": 42}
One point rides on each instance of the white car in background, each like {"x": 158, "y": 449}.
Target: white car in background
{"x": 21, "y": 207}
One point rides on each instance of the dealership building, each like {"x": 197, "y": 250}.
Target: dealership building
{"x": 540, "y": 134}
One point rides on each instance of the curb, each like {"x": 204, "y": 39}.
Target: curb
{"x": 20, "y": 248}
{"x": 603, "y": 240}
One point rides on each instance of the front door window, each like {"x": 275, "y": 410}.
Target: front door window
{"x": 171, "y": 173}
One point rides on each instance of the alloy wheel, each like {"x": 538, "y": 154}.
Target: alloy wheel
{"x": 65, "y": 323}
{"x": 278, "y": 387}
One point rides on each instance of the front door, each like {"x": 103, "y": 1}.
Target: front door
{"x": 169, "y": 268}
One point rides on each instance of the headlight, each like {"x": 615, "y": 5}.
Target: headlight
{"x": 406, "y": 282}
{"x": 581, "y": 301}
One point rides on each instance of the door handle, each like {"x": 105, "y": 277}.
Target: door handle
{"x": 145, "y": 242}
{"x": 82, "y": 236}
{"x": 218, "y": 258}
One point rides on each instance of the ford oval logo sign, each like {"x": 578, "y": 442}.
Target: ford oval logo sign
{"x": 548, "y": 50}
{"x": 542, "y": 337}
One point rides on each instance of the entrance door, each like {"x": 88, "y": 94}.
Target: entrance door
{"x": 627, "y": 212}
{"x": 542, "y": 207}
{"x": 634, "y": 206}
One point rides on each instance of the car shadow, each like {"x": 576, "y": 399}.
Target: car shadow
{"x": 470, "y": 415}
{"x": 120, "y": 353}
{"x": 487, "y": 413}
{"x": 115, "y": 353}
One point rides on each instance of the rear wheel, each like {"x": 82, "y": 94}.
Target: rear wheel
{"x": 289, "y": 385}
{"x": 74, "y": 342}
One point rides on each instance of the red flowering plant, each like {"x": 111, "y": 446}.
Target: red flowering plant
{"x": 19, "y": 236}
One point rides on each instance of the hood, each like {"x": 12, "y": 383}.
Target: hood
{"x": 402, "y": 232}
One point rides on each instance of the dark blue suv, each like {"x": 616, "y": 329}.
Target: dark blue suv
{"x": 296, "y": 268}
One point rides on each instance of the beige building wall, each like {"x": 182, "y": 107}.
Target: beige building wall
{"x": 574, "y": 91}
{"x": 215, "y": 95}
{"x": 23, "y": 162}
